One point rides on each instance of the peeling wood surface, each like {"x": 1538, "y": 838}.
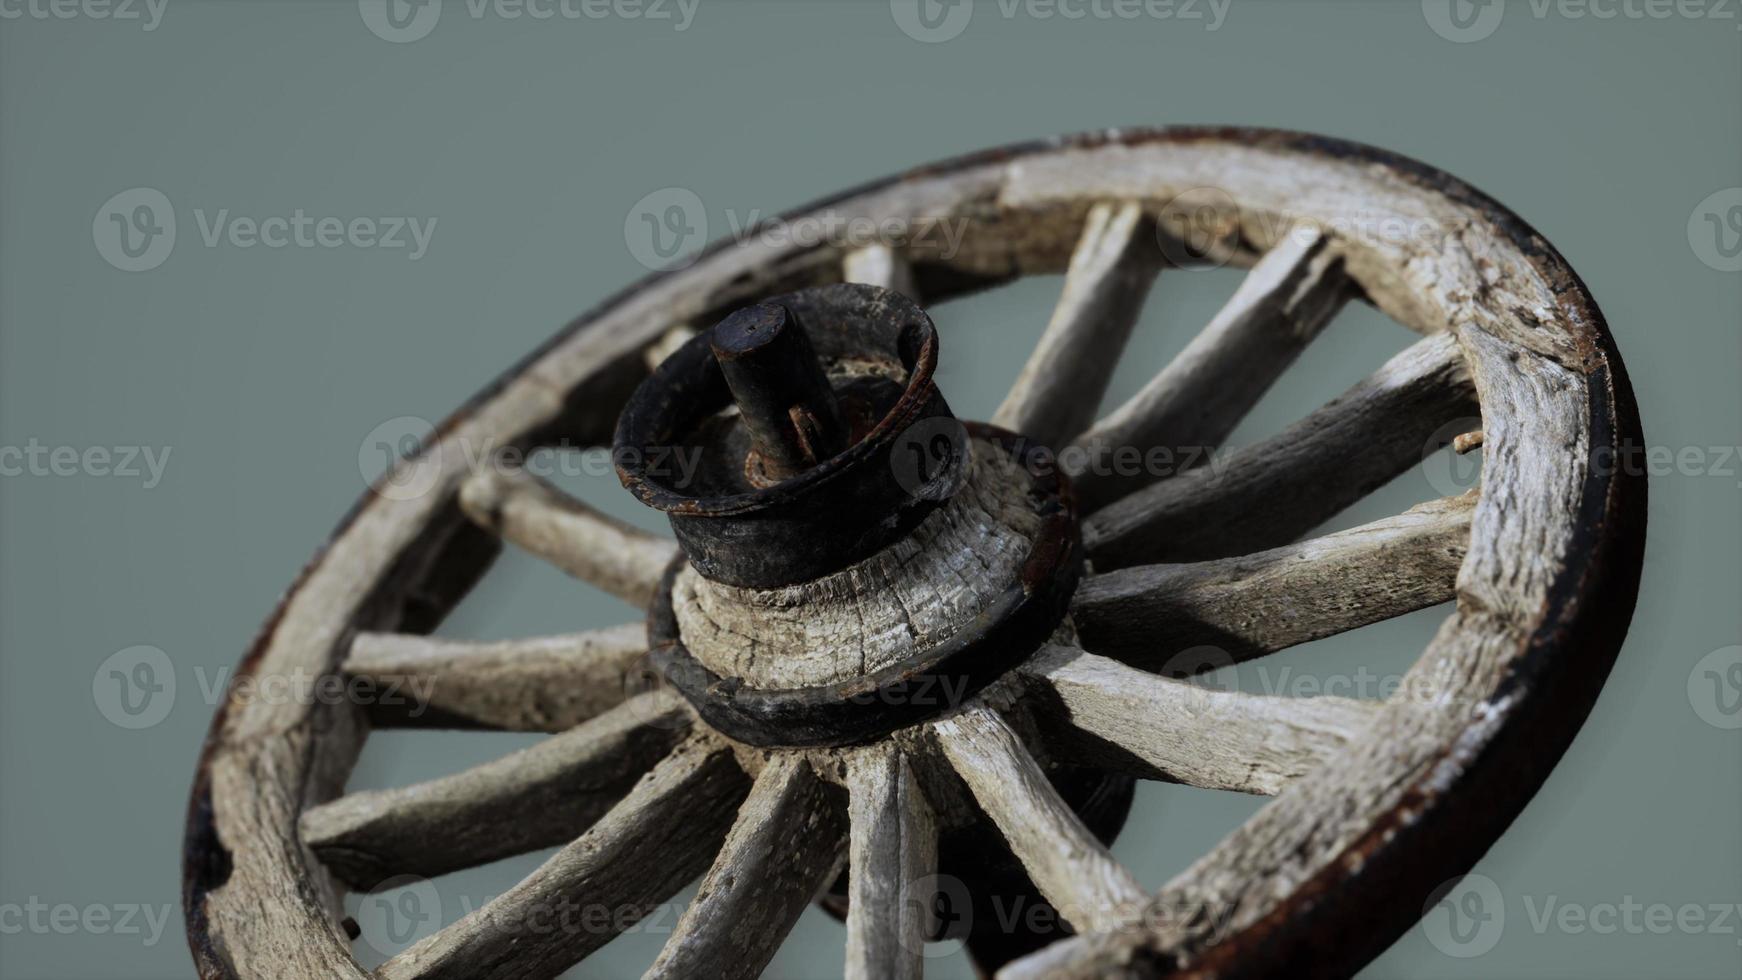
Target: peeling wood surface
{"x": 1271, "y": 493}
{"x": 1202, "y": 394}
{"x": 1071, "y": 868}
{"x": 1111, "y": 271}
{"x": 877, "y": 613}
{"x": 623, "y": 560}
{"x": 893, "y": 850}
{"x": 1260, "y": 603}
{"x": 787, "y": 844}
{"x": 646, "y": 848}
{"x": 1099, "y": 711}
{"x": 547, "y": 683}
{"x": 542, "y": 796}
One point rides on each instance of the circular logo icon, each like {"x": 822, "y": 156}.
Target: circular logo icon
{"x": 1715, "y": 688}
{"x": 1463, "y": 21}
{"x": 1448, "y": 471}
{"x": 945, "y": 910}
{"x": 666, "y": 229}
{"x": 400, "y": 21}
{"x": 932, "y": 21}
{"x": 398, "y": 912}
{"x": 1715, "y": 230}
{"x": 135, "y": 687}
{"x": 642, "y": 677}
{"x": 135, "y": 229}
{"x": 927, "y": 458}
{"x": 1465, "y": 916}
{"x": 388, "y": 459}
{"x": 1207, "y": 668}
{"x": 1198, "y": 228}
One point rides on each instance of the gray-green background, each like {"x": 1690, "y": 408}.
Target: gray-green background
{"x": 262, "y": 371}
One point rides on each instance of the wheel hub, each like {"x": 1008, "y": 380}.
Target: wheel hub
{"x": 828, "y": 518}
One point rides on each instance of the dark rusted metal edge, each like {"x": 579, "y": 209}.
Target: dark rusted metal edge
{"x": 1015, "y": 624}
{"x": 1609, "y": 583}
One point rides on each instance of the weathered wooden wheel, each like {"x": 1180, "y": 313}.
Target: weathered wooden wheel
{"x": 793, "y": 736}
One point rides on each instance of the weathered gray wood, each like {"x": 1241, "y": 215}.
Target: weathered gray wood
{"x": 1059, "y": 390}
{"x": 640, "y": 853}
{"x": 1192, "y": 404}
{"x": 882, "y": 610}
{"x": 787, "y": 844}
{"x": 1102, "y": 713}
{"x": 880, "y": 265}
{"x": 623, "y": 560}
{"x": 1071, "y": 868}
{"x": 547, "y": 683}
{"x": 1271, "y": 493}
{"x": 893, "y": 848}
{"x": 541, "y": 796}
{"x": 1264, "y": 602}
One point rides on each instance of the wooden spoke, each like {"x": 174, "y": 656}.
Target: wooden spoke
{"x": 879, "y": 265}
{"x": 893, "y": 845}
{"x": 787, "y": 844}
{"x": 1273, "y": 492}
{"x": 538, "y": 797}
{"x": 624, "y": 561}
{"x": 549, "y": 683}
{"x": 1059, "y": 389}
{"x": 1274, "y": 599}
{"x": 1120, "y": 718}
{"x": 1194, "y": 402}
{"x": 1071, "y": 868}
{"x": 668, "y": 343}
{"x": 637, "y": 855}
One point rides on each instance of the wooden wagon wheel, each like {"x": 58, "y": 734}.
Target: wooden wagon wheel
{"x": 1376, "y": 802}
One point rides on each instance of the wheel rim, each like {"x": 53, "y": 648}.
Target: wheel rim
{"x": 1356, "y": 840}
